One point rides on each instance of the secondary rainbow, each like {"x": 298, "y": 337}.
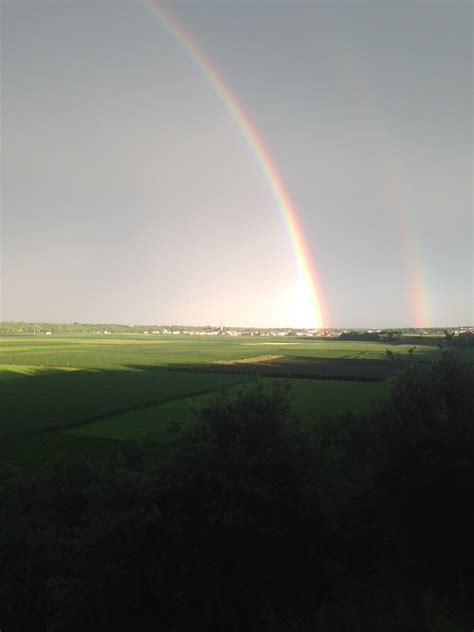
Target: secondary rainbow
{"x": 386, "y": 168}
{"x": 264, "y": 162}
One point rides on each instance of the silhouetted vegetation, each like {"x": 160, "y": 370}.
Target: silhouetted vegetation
{"x": 387, "y": 335}
{"x": 458, "y": 340}
{"x": 255, "y": 523}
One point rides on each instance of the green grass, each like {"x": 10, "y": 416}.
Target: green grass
{"x": 147, "y": 423}
{"x": 313, "y": 400}
{"x": 100, "y": 391}
{"x": 57, "y": 397}
{"x": 150, "y": 426}
{"x": 107, "y": 352}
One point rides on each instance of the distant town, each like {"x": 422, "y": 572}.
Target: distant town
{"x": 49, "y": 329}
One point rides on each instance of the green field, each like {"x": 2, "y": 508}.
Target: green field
{"x": 82, "y": 394}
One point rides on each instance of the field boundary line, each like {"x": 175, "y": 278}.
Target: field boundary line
{"x": 115, "y": 413}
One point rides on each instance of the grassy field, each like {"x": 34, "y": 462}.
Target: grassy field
{"x": 51, "y": 398}
{"x": 107, "y": 352}
{"x": 83, "y": 394}
{"x": 309, "y": 397}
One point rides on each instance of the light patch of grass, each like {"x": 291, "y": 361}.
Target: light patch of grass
{"x": 9, "y": 372}
{"x": 256, "y": 359}
{"x": 261, "y": 344}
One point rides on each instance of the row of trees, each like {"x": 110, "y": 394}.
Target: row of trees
{"x": 253, "y": 522}
{"x": 387, "y": 336}
{"x": 19, "y": 328}
{"x": 458, "y": 341}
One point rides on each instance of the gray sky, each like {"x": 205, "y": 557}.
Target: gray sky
{"x": 129, "y": 195}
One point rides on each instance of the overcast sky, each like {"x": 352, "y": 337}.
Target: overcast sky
{"x": 129, "y": 194}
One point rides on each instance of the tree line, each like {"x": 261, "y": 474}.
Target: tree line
{"x": 20, "y": 328}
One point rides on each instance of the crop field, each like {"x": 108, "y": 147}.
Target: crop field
{"x": 357, "y": 369}
{"x": 84, "y": 394}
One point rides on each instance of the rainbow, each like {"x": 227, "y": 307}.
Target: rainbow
{"x": 262, "y": 158}
{"x": 421, "y": 313}
{"x": 387, "y": 169}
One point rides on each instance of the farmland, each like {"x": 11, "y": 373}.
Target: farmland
{"x": 245, "y": 492}
{"x": 82, "y": 394}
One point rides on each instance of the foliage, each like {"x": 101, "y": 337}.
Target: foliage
{"x": 386, "y": 335}
{"x": 255, "y": 523}
{"x": 458, "y": 340}
{"x": 425, "y": 471}
{"x": 215, "y": 538}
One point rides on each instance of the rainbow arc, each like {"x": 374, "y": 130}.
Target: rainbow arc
{"x": 263, "y": 160}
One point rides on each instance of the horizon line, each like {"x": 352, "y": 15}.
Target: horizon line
{"x": 223, "y": 326}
